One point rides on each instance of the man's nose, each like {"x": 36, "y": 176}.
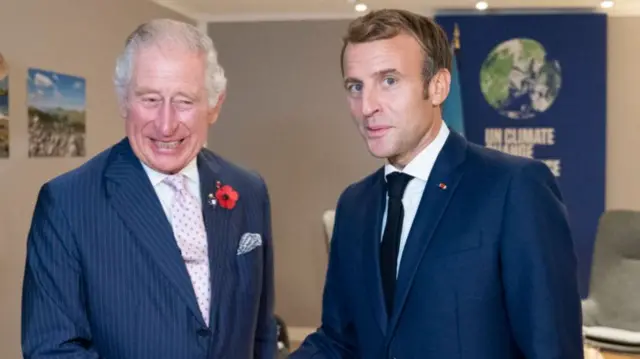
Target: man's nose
{"x": 167, "y": 121}
{"x": 370, "y": 103}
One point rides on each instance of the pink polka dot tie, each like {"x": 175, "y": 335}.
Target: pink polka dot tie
{"x": 189, "y": 230}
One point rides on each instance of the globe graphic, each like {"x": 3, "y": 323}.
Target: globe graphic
{"x": 518, "y": 80}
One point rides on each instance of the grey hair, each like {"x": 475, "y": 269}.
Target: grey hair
{"x": 180, "y": 33}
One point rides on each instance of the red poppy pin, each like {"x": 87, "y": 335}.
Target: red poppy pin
{"x": 225, "y": 196}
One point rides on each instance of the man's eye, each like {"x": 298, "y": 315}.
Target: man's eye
{"x": 354, "y": 87}
{"x": 183, "y": 103}
{"x": 390, "y": 81}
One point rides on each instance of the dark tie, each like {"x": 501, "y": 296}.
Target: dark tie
{"x": 396, "y": 184}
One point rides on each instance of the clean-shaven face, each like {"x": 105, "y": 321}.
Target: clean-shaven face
{"x": 167, "y": 111}
{"x": 386, "y": 94}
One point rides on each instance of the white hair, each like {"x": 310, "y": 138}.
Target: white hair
{"x": 183, "y": 34}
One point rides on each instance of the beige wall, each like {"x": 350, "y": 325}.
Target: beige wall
{"x": 79, "y": 37}
{"x": 623, "y": 114}
{"x": 286, "y": 116}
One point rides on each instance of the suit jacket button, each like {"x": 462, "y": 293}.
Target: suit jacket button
{"x": 203, "y": 332}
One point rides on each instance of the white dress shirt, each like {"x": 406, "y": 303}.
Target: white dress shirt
{"x": 165, "y": 192}
{"x": 420, "y": 168}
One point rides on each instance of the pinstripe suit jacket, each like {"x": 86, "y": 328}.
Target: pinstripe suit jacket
{"x": 104, "y": 277}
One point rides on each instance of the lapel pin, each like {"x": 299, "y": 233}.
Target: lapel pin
{"x": 442, "y": 186}
{"x": 212, "y": 200}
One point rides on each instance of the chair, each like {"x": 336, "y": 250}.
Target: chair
{"x": 284, "y": 344}
{"x": 611, "y": 312}
{"x": 328, "y": 219}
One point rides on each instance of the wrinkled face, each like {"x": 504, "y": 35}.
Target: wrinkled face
{"x": 167, "y": 111}
{"x": 386, "y": 94}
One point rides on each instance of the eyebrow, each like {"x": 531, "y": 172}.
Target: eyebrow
{"x": 146, "y": 91}
{"x": 381, "y": 73}
{"x": 385, "y": 72}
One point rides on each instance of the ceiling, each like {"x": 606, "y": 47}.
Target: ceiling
{"x": 255, "y": 10}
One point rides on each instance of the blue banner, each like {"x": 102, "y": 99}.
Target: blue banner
{"x": 534, "y": 85}
{"x": 452, "y": 108}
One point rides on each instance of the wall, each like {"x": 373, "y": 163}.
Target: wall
{"x": 78, "y": 37}
{"x": 623, "y": 112}
{"x": 286, "y": 116}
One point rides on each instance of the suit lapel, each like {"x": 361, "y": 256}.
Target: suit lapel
{"x": 223, "y": 235}
{"x": 374, "y": 210}
{"x": 447, "y": 171}
{"x": 131, "y": 194}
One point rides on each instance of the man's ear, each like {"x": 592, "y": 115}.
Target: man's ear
{"x": 123, "y": 107}
{"x": 214, "y": 112}
{"x": 439, "y": 86}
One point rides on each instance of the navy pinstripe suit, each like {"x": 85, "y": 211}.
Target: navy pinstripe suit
{"x": 104, "y": 277}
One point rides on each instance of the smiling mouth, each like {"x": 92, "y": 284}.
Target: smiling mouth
{"x": 168, "y": 145}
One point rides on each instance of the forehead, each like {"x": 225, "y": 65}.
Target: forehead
{"x": 156, "y": 64}
{"x": 401, "y": 53}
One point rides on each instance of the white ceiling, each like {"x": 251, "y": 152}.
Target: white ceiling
{"x": 247, "y": 10}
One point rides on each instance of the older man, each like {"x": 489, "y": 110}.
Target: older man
{"x": 155, "y": 248}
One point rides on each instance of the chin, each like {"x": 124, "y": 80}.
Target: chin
{"x": 168, "y": 167}
{"x": 379, "y": 152}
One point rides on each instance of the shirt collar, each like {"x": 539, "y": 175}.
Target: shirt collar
{"x": 421, "y": 165}
{"x": 190, "y": 171}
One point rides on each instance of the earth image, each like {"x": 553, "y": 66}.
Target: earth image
{"x": 518, "y": 80}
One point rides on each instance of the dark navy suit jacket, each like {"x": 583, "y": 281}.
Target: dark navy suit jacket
{"x": 488, "y": 271}
{"x": 104, "y": 276}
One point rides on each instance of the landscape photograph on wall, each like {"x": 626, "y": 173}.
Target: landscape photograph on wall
{"x": 4, "y": 108}
{"x": 57, "y": 114}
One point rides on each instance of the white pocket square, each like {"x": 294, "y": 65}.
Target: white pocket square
{"x": 249, "y": 242}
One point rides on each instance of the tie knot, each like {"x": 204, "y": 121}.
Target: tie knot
{"x": 397, "y": 183}
{"x": 177, "y": 182}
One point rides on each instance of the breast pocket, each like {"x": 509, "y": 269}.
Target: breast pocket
{"x": 448, "y": 246}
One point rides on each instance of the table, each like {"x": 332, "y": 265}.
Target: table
{"x": 591, "y": 353}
